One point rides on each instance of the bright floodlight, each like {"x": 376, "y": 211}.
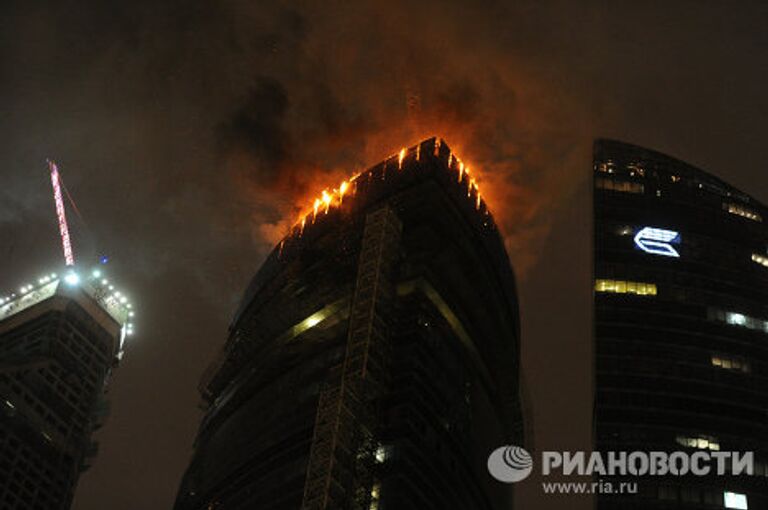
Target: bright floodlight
{"x": 72, "y": 278}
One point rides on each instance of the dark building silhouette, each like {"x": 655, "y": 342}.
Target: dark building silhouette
{"x": 373, "y": 362}
{"x": 681, "y": 314}
{"x": 59, "y": 341}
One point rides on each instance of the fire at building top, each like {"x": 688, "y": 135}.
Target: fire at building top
{"x": 408, "y": 159}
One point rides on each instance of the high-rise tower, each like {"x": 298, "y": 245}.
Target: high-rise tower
{"x": 373, "y": 362}
{"x": 59, "y": 341}
{"x": 681, "y": 311}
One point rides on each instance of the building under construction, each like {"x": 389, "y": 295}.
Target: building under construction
{"x": 60, "y": 339}
{"x": 373, "y": 363}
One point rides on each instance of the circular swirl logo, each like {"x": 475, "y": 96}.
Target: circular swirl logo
{"x": 510, "y": 464}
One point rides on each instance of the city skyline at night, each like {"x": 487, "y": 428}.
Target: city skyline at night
{"x": 195, "y": 136}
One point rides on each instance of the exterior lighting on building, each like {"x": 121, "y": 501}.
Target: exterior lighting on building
{"x": 658, "y": 241}
{"x": 72, "y": 278}
{"x": 114, "y": 303}
{"x": 760, "y": 259}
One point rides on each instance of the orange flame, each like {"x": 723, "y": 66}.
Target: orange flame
{"x": 335, "y": 197}
{"x": 327, "y": 200}
{"x": 343, "y": 189}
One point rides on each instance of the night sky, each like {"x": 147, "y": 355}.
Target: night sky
{"x": 190, "y": 134}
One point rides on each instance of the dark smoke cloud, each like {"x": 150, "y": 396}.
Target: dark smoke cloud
{"x": 337, "y": 89}
{"x": 192, "y": 132}
{"x": 257, "y": 128}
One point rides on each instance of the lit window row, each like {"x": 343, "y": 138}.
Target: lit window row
{"x": 619, "y": 185}
{"x": 625, "y": 287}
{"x": 760, "y": 259}
{"x": 606, "y": 167}
{"x": 700, "y": 442}
{"x": 740, "y": 210}
{"x": 731, "y": 363}
{"x": 738, "y": 319}
{"x": 636, "y": 169}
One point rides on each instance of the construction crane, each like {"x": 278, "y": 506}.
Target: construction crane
{"x": 57, "y": 184}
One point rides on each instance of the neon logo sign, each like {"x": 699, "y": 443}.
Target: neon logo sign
{"x": 658, "y": 241}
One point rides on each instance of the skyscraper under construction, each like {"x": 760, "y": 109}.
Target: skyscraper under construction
{"x": 373, "y": 363}
{"x": 59, "y": 342}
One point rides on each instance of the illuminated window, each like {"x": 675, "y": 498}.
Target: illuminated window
{"x": 625, "y": 287}
{"x": 382, "y": 453}
{"x": 329, "y": 314}
{"x": 735, "y": 500}
{"x": 636, "y": 169}
{"x": 606, "y": 167}
{"x": 619, "y": 185}
{"x": 740, "y": 210}
{"x": 760, "y": 259}
{"x": 736, "y": 319}
{"x": 699, "y": 442}
{"x": 731, "y": 363}
{"x": 375, "y": 496}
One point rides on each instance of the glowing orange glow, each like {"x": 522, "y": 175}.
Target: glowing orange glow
{"x": 334, "y": 197}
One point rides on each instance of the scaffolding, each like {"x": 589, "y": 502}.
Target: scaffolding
{"x": 339, "y": 472}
